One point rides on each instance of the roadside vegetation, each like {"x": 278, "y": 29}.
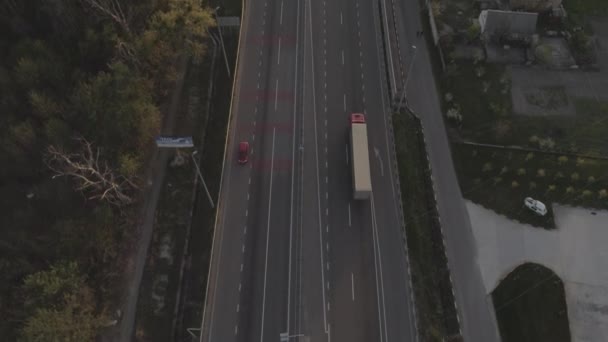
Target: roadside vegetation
{"x": 556, "y": 154}
{"x": 436, "y": 313}
{"x": 531, "y": 306}
{"x": 489, "y": 118}
{"x": 513, "y": 175}
{"x": 203, "y": 219}
{"x": 478, "y": 105}
{"x": 83, "y": 84}
{"x": 171, "y": 301}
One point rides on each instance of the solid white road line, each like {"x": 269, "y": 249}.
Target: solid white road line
{"x": 349, "y": 219}
{"x": 377, "y": 281}
{"x": 276, "y": 95}
{"x": 379, "y": 262}
{"x": 279, "y": 53}
{"x": 341, "y": 20}
{"x": 314, "y": 102}
{"x": 390, "y": 67}
{"x": 267, "y": 236}
{"x": 347, "y": 162}
{"x": 293, "y": 152}
{"x": 342, "y": 57}
{"x": 344, "y": 102}
{"x": 352, "y": 282}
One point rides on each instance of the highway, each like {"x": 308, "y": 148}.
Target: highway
{"x": 294, "y": 257}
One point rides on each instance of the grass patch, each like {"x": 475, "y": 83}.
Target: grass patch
{"x": 479, "y": 107}
{"x": 530, "y": 306}
{"x": 581, "y": 8}
{"x": 481, "y": 95}
{"x": 501, "y": 179}
{"x": 437, "y": 320}
{"x": 581, "y": 133}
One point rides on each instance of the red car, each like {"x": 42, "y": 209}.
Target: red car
{"x": 243, "y": 152}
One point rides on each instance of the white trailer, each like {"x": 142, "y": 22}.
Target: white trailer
{"x": 359, "y": 151}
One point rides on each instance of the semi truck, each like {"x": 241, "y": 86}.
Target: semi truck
{"x": 362, "y": 183}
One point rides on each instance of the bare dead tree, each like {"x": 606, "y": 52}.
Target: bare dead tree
{"x": 94, "y": 178}
{"x": 112, "y": 9}
{"x": 127, "y": 53}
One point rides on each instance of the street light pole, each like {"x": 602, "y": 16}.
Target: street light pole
{"x": 407, "y": 77}
{"x": 219, "y": 28}
{"x": 198, "y": 171}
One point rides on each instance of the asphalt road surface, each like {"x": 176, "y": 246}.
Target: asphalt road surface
{"x": 295, "y": 258}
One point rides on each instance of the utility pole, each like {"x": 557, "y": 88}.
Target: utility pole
{"x": 407, "y": 77}
{"x": 219, "y": 28}
{"x": 198, "y": 171}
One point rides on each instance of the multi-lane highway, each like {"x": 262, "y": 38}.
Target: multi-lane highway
{"x": 294, "y": 256}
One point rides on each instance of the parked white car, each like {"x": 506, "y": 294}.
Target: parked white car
{"x": 536, "y": 206}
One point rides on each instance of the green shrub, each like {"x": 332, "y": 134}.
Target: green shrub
{"x": 540, "y": 173}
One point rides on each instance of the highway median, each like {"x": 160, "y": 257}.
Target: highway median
{"x": 436, "y": 312}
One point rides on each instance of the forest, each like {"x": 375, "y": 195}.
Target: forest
{"x": 83, "y": 85}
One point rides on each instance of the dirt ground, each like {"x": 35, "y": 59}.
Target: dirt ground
{"x": 533, "y": 88}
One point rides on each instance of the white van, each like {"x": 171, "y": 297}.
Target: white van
{"x": 536, "y": 206}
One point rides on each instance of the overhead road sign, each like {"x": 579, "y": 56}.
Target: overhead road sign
{"x": 177, "y": 142}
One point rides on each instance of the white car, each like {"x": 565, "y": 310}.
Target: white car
{"x": 536, "y": 206}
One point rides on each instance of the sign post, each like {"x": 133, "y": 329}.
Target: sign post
{"x": 184, "y": 142}
{"x": 177, "y": 142}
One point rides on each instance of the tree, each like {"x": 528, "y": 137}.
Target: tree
{"x": 23, "y": 134}
{"x": 60, "y": 306}
{"x": 473, "y": 31}
{"x": 113, "y": 10}
{"x": 540, "y": 173}
{"x": 116, "y": 109}
{"x": 534, "y": 5}
{"x": 47, "y": 288}
{"x": 93, "y": 177}
{"x": 180, "y": 26}
{"x": 185, "y": 21}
